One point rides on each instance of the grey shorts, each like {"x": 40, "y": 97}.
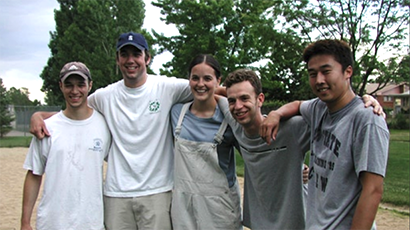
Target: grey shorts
{"x": 145, "y": 212}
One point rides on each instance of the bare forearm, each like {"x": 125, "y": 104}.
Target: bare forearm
{"x": 42, "y": 115}
{"x": 30, "y": 193}
{"x": 288, "y": 110}
{"x": 365, "y": 212}
{"x": 221, "y": 90}
{"x": 368, "y": 203}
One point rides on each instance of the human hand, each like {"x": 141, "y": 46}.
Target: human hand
{"x": 305, "y": 174}
{"x": 270, "y": 127}
{"x": 371, "y": 101}
{"x": 38, "y": 127}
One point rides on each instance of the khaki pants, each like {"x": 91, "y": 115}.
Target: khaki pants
{"x": 146, "y": 212}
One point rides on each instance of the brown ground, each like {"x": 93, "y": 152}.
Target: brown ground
{"x": 11, "y": 186}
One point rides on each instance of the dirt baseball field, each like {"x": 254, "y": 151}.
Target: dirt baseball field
{"x": 11, "y": 187}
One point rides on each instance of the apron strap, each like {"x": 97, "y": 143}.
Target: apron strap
{"x": 185, "y": 107}
{"x": 219, "y": 136}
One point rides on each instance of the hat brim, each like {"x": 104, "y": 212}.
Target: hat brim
{"x": 74, "y": 73}
{"x": 132, "y": 44}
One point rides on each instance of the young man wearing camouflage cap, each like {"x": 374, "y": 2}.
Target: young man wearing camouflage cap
{"x": 72, "y": 160}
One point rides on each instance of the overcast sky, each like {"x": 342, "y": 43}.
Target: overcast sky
{"x": 25, "y": 27}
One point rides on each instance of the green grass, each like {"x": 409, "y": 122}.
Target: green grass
{"x": 10, "y": 142}
{"x": 396, "y": 183}
{"x": 240, "y": 167}
{"x": 399, "y": 135}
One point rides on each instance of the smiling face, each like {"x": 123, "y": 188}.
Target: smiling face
{"x": 244, "y": 104}
{"x": 133, "y": 65}
{"x": 329, "y": 82}
{"x": 203, "y": 82}
{"x": 75, "y": 90}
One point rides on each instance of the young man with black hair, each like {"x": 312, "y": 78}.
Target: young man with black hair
{"x": 349, "y": 144}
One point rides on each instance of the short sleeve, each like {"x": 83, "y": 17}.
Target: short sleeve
{"x": 370, "y": 149}
{"x": 37, "y": 156}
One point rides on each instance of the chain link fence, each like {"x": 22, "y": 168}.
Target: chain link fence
{"x": 23, "y": 115}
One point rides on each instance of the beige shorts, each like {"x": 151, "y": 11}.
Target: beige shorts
{"x": 145, "y": 212}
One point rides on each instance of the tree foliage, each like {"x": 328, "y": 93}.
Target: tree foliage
{"x": 240, "y": 34}
{"x": 5, "y": 116}
{"x": 86, "y": 31}
{"x": 21, "y": 97}
{"x": 395, "y": 70}
{"x": 373, "y": 28}
{"x": 269, "y": 37}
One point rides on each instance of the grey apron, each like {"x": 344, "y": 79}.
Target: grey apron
{"x": 201, "y": 197}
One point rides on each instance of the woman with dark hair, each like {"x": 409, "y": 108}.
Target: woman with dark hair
{"x": 206, "y": 191}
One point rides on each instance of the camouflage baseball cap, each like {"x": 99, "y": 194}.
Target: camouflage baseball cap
{"x": 77, "y": 68}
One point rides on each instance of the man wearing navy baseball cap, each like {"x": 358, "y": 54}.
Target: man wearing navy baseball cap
{"x": 139, "y": 179}
{"x": 134, "y": 39}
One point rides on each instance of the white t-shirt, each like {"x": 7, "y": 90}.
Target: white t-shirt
{"x": 72, "y": 160}
{"x": 141, "y": 158}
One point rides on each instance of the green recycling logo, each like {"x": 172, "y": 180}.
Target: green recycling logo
{"x": 154, "y": 106}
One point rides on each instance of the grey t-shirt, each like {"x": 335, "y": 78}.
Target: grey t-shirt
{"x": 344, "y": 143}
{"x": 273, "y": 193}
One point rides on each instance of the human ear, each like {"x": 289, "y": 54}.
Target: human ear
{"x": 148, "y": 61}
{"x": 90, "y": 86}
{"x": 261, "y": 99}
{"x": 348, "y": 72}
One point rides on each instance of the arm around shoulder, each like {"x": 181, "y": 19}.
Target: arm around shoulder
{"x": 288, "y": 110}
{"x": 369, "y": 100}
{"x": 221, "y": 90}
{"x": 270, "y": 125}
{"x": 37, "y": 125}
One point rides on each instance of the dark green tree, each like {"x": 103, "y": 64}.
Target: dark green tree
{"x": 269, "y": 37}
{"x": 402, "y": 71}
{"x": 86, "y": 31}
{"x": 376, "y": 30}
{"x": 396, "y": 70}
{"x": 20, "y": 96}
{"x": 240, "y": 34}
{"x": 5, "y": 116}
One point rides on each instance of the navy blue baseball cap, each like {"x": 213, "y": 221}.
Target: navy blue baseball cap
{"x": 134, "y": 39}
